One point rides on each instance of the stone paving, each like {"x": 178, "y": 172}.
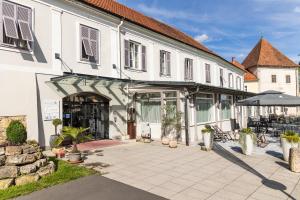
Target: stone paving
{"x": 187, "y": 173}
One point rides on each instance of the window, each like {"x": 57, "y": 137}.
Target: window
{"x": 151, "y": 108}
{"x": 221, "y": 78}
{"x": 188, "y": 69}
{"x": 207, "y": 73}
{"x": 15, "y": 26}
{"x": 89, "y": 44}
{"x": 238, "y": 83}
{"x": 226, "y": 102}
{"x": 288, "y": 79}
{"x": 135, "y": 55}
{"x": 204, "y": 108}
{"x": 171, "y": 102}
{"x": 273, "y": 77}
{"x": 230, "y": 80}
{"x": 165, "y": 63}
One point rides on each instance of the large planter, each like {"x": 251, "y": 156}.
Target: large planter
{"x": 286, "y": 145}
{"x": 52, "y": 140}
{"x": 207, "y": 140}
{"x": 248, "y": 147}
{"x": 165, "y": 141}
{"x": 173, "y": 144}
{"x": 75, "y": 157}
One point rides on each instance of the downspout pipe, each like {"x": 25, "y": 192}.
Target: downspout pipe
{"x": 119, "y": 46}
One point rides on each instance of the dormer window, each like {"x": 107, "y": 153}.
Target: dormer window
{"x": 15, "y": 26}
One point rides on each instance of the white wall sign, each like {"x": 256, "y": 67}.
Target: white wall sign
{"x": 51, "y": 109}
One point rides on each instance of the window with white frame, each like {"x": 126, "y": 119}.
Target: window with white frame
{"x": 188, "y": 69}
{"x": 16, "y": 25}
{"x": 221, "y": 77}
{"x": 89, "y": 44}
{"x": 226, "y": 103}
{"x": 230, "y": 80}
{"x": 204, "y": 108}
{"x": 207, "y": 73}
{"x": 135, "y": 55}
{"x": 165, "y": 63}
{"x": 171, "y": 102}
{"x": 150, "y": 107}
{"x": 238, "y": 83}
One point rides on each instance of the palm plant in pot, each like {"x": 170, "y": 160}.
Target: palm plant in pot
{"x": 289, "y": 139}
{"x": 207, "y": 134}
{"x": 76, "y": 135}
{"x": 247, "y": 140}
{"x": 171, "y": 126}
{"x": 55, "y": 122}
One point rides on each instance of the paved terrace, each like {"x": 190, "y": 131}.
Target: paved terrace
{"x": 187, "y": 173}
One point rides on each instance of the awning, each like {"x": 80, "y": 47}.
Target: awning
{"x": 78, "y": 80}
{"x": 271, "y": 98}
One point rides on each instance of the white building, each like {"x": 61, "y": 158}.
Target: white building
{"x": 102, "y": 65}
{"x": 269, "y": 69}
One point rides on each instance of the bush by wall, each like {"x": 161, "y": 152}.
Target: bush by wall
{"x": 16, "y": 133}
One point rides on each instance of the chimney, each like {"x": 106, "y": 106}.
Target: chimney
{"x": 232, "y": 59}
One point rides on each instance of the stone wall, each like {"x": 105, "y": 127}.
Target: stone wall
{"x": 4, "y": 122}
{"x": 24, "y": 164}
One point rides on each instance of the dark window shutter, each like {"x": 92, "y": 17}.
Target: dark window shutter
{"x": 168, "y": 63}
{"x": 126, "y": 52}
{"x": 24, "y": 22}
{"x": 161, "y": 60}
{"x": 185, "y": 69}
{"x": 191, "y": 70}
{"x": 144, "y": 58}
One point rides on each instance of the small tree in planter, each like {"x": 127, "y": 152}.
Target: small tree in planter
{"x": 289, "y": 139}
{"x": 16, "y": 133}
{"x": 56, "y": 122}
{"x": 171, "y": 125}
{"x": 77, "y": 135}
{"x": 247, "y": 140}
{"x": 207, "y": 134}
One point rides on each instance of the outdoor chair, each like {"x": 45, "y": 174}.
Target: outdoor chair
{"x": 221, "y": 135}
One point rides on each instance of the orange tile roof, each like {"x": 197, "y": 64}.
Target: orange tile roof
{"x": 133, "y": 16}
{"x": 248, "y": 76}
{"x": 265, "y": 55}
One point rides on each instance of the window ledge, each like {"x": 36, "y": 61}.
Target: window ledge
{"x": 134, "y": 70}
{"x": 89, "y": 63}
{"x": 13, "y": 49}
{"x": 166, "y": 76}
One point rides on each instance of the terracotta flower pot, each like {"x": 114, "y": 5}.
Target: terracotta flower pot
{"x": 173, "y": 144}
{"x": 165, "y": 141}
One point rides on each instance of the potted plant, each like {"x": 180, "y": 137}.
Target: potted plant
{"x": 76, "y": 135}
{"x": 247, "y": 140}
{"x": 171, "y": 126}
{"x": 289, "y": 139}
{"x": 56, "y": 122}
{"x": 207, "y": 134}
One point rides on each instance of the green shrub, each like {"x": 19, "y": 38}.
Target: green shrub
{"x": 207, "y": 129}
{"x": 291, "y": 136}
{"x": 16, "y": 133}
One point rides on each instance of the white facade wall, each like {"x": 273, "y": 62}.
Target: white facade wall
{"x": 56, "y": 30}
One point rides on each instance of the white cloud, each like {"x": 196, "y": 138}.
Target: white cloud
{"x": 171, "y": 14}
{"x": 201, "y": 38}
{"x": 297, "y": 9}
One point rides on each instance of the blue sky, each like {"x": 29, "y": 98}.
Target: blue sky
{"x": 230, "y": 27}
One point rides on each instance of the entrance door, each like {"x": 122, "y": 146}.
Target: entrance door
{"x": 87, "y": 110}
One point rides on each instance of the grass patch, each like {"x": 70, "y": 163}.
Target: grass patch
{"x": 65, "y": 172}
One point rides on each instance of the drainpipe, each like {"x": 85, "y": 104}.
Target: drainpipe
{"x": 119, "y": 46}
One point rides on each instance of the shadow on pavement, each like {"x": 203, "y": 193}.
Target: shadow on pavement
{"x": 264, "y": 180}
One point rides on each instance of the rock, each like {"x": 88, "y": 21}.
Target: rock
{"x": 2, "y": 151}
{"x": 28, "y": 169}
{"x": 13, "y": 150}
{"x": 40, "y": 163}
{"x": 49, "y": 154}
{"x": 5, "y": 183}
{"x": 20, "y": 159}
{"x": 39, "y": 155}
{"x": 294, "y": 160}
{"x": 29, "y": 178}
{"x": 2, "y": 160}
{"x": 28, "y": 149}
{"x": 9, "y": 172}
{"x": 48, "y": 169}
